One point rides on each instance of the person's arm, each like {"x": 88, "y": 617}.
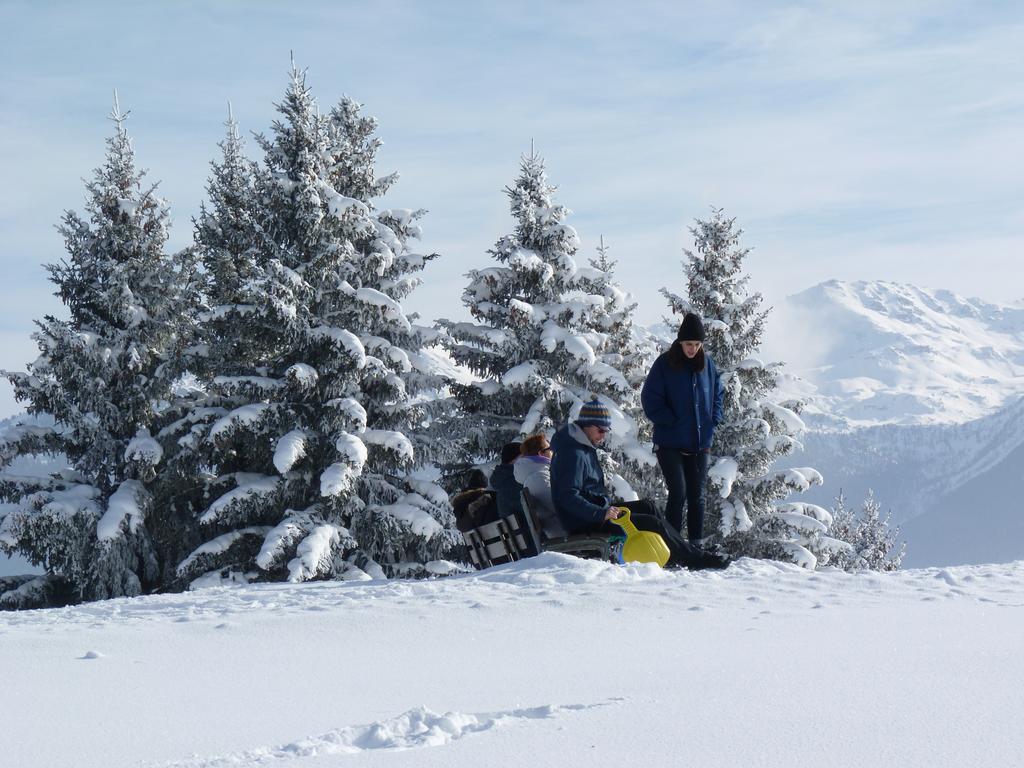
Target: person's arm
{"x": 567, "y": 490}
{"x": 653, "y": 397}
{"x": 718, "y": 393}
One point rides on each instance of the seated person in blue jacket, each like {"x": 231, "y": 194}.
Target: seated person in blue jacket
{"x": 582, "y": 499}
{"x": 506, "y": 488}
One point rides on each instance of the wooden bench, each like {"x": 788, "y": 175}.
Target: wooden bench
{"x": 516, "y": 536}
{"x": 587, "y": 545}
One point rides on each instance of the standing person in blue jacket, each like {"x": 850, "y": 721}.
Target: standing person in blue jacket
{"x": 682, "y": 396}
{"x": 582, "y": 499}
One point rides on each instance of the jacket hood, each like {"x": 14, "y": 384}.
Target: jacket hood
{"x": 571, "y": 437}
{"x": 576, "y": 432}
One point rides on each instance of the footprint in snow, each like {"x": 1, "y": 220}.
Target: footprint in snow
{"x": 418, "y": 727}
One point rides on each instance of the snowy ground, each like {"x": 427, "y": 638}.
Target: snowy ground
{"x": 551, "y": 662}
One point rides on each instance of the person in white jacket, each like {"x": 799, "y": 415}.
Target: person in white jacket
{"x": 533, "y": 471}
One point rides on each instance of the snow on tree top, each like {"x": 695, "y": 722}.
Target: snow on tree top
{"x": 351, "y": 408}
{"x": 433, "y": 492}
{"x": 391, "y": 440}
{"x": 338, "y": 204}
{"x": 314, "y": 553}
{"x": 248, "y": 485}
{"x": 386, "y": 236}
{"x": 723, "y": 474}
{"x": 404, "y": 216}
{"x": 246, "y": 415}
{"x": 607, "y": 374}
{"x": 553, "y": 334}
{"x": 493, "y": 336}
{"x": 352, "y": 448}
{"x": 220, "y": 544}
{"x": 260, "y": 382}
{"x": 381, "y": 346}
{"x": 805, "y": 508}
{"x": 528, "y": 260}
{"x": 793, "y": 423}
{"x": 392, "y": 309}
{"x": 801, "y": 478}
{"x": 124, "y": 505}
{"x": 801, "y": 522}
{"x": 337, "y": 479}
{"x": 70, "y": 501}
{"x": 532, "y": 313}
{"x": 291, "y": 448}
{"x": 303, "y": 374}
{"x": 592, "y": 274}
{"x": 144, "y": 449}
{"x": 421, "y": 522}
{"x": 520, "y": 375}
{"x": 346, "y": 339}
{"x": 488, "y": 387}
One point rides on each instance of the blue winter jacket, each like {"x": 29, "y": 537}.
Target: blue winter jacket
{"x": 507, "y": 490}
{"x": 577, "y": 481}
{"x": 685, "y": 407}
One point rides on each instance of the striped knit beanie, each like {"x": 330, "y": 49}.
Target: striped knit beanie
{"x": 593, "y": 414}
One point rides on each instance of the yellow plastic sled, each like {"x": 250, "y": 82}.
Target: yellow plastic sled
{"x": 641, "y": 546}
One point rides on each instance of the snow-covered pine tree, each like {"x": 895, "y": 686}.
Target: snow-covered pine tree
{"x": 233, "y": 342}
{"x": 745, "y": 493}
{"x": 543, "y": 334}
{"x": 312, "y": 435}
{"x": 104, "y": 376}
{"x": 873, "y": 543}
{"x": 632, "y": 355}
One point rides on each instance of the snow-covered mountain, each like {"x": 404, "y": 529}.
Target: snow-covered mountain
{"x": 885, "y": 353}
{"x": 919, "y": 395}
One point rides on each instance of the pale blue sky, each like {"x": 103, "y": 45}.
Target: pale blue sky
{"x": 869, "y": 140}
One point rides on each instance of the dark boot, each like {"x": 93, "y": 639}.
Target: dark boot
{"x": 711, "y": 560}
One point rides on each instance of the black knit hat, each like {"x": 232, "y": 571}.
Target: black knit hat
{"x": 509, "y": 452}
{"x": 692, "y": 328}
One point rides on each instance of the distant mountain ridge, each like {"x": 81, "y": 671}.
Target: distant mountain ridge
{"x": 919, "y": 395}
{"x": 889, "y": 353}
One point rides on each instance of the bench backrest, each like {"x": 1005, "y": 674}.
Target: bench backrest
{"x": 502, "y": 541}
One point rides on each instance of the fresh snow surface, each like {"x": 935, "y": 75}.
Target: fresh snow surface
{"x": 552, "y": 661}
